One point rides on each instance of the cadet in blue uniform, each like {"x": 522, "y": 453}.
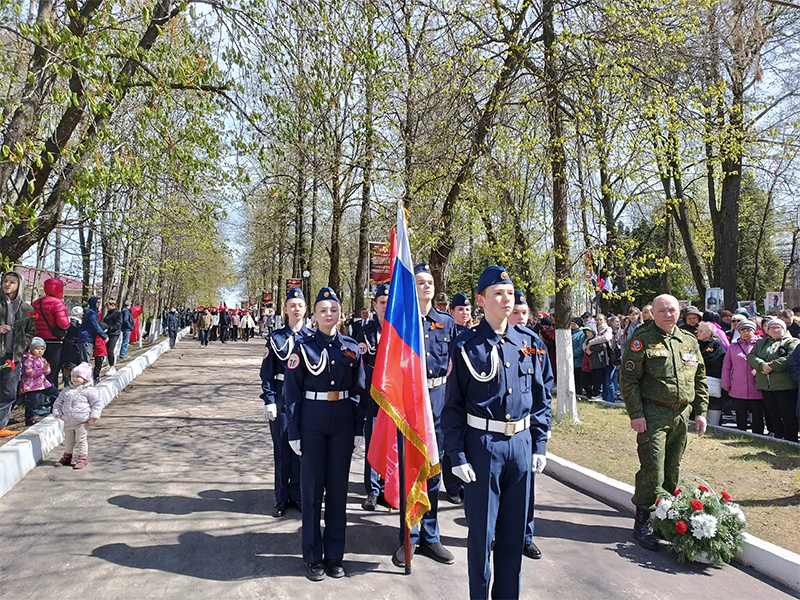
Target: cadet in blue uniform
{"x": 494, "y": 424}
{"x": 368, "y": 339}
{"x": 279, "y": 347}
{"x": 439, "y": 332}
{"x": 461, "y": 309}
{"x": 324, "y": 384}
{"x": 520, "y": 316}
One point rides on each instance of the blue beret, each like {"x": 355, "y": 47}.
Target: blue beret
{"x": 519, "y": 298}
{"x": 383, "y": 290}
{"x": 460, "y": 299}
{"x": 492, "y": 276}
{"x": 422, "y": 268}
{"x": 327, "y": 293}
{"x": 295, "y": 293}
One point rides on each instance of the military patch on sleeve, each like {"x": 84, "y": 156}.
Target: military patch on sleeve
{"x": 630, "y": 366}
{"x": 362, "y": 347}
{"x": 449, "y": 367}
{"x": 636, "y": 345}
{"x": 266, "y": 352}
{"x": 294, "y": 360}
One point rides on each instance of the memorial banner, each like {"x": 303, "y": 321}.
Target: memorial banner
{"x": 380, "y": 263}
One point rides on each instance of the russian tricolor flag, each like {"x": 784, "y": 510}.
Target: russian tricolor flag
{"x": 400, "y": 387}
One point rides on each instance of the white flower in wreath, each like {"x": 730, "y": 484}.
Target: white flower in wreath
{"x": 674, "y": 514}
{"x": 662, "y": 510}
{"x": 736, "y": 512}
{"x": 703, "y": 525}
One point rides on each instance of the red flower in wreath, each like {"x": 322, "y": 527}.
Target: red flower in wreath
{"x": 696, "y": 505}
{"x": 10, "y": 364}
{"x": 31, "y": 314}
{"x": 726, "y": 497}
{"x": 681, "y": 527}
{"x": 702, "y": 488}
{"x": 677, "y": 492}
{"x": 658, "y": 501}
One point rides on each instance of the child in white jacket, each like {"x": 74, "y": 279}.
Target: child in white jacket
{"x": 78, "y": 405}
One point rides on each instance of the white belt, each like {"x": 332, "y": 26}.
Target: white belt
{"x": 327, "y": 396}
{"x": 279, "y": 377}
{"x": 508, "y": 428}
{"x": 436, "y": 382}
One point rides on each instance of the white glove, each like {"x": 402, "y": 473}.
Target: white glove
{"x": 539, "y": 463}
{"x": 295, "y": 445}
{"x": 270, "y": 412}
{"x": 549, "y": 434}
{"x": 357, "y": 441}
{"x": 465, "y": 473}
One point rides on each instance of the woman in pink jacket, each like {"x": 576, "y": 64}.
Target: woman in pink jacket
{"x": 738, "y": 377}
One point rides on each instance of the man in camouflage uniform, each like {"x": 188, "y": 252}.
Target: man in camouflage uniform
{"x": 663, "y": 378}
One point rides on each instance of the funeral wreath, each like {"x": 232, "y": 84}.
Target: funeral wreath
{"x": 702, "y": 526}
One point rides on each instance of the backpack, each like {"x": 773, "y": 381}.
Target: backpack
{"x": 57, "y": 332}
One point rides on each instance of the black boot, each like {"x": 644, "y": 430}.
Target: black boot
{"x": 643, "y": 532}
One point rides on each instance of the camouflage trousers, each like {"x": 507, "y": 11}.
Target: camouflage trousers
{"x": 660, "y": 450}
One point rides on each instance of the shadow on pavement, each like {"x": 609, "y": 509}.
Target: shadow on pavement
{"x": 222, "y": 558}
{"x": 249, "y": 502}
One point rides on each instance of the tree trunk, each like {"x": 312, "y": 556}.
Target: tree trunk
{"x": 567, "y": 402}
{"x": 362, "y": 264}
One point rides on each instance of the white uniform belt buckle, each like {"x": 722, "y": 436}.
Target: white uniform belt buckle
{"x": 333, "y": 396}
{"x": 279, "y": 377}
{"x": 434, "y": 382}
{"x": 509, "y": 429}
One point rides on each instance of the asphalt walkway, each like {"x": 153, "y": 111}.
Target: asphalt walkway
{"x": 177, "y": 497}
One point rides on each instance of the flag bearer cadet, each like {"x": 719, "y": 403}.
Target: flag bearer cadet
{"x": 439, "y": 332}
{"x": 495, "y": 431}
{"x": 277, "y": 351}
{"x": 368, "y": 339}
{"x": 324, "y": 384}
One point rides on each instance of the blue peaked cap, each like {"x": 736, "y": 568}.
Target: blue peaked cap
{"x": 519, "y": 298}
{"x": 422, "y": 268}
{"x": 382, "y": 290}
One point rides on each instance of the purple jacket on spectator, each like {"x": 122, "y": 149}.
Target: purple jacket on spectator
{"x": 34, "y": 370}
{"x": 737, "y": 374}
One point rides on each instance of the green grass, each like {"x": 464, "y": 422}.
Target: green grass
{"x": 761, "y": 475}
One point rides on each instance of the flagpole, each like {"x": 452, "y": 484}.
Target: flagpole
{"x": 401, "y": 444}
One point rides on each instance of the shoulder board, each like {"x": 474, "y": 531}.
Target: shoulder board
{"x": 527, "y": 331}
{"x": 465, "y": 336}
{"x": 445, "y": 314}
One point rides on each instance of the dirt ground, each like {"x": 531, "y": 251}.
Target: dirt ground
{"x": 761, "y": 475}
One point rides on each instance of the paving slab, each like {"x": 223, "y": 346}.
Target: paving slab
{"x": 177, "y": 497}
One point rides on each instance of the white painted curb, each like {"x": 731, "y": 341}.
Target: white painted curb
{"x": 21, "y": 454}
{"x": 769, "y": 559}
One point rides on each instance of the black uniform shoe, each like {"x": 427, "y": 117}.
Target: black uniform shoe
{"x": 437, "y": 552}
{"x": 296, "y": 504}
{"x": 455, "y": 499}
{"x": 643, "y": 532}
{"x": 279, "y": 510}
{"x": 334, "y": 568}
{"x": 399, "y": 557}
{"x": 531, "y": 550}
{"x": 370, "y": 503}
{"x": 316, "y": 571}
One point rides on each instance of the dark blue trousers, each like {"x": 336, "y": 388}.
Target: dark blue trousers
{"x": 496, "y": 506}
{"x": 326, "y": 437}
{"x": 287, "y": 463}
{"x": 372, "y": 481}
{"x": 529, "y": 526}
